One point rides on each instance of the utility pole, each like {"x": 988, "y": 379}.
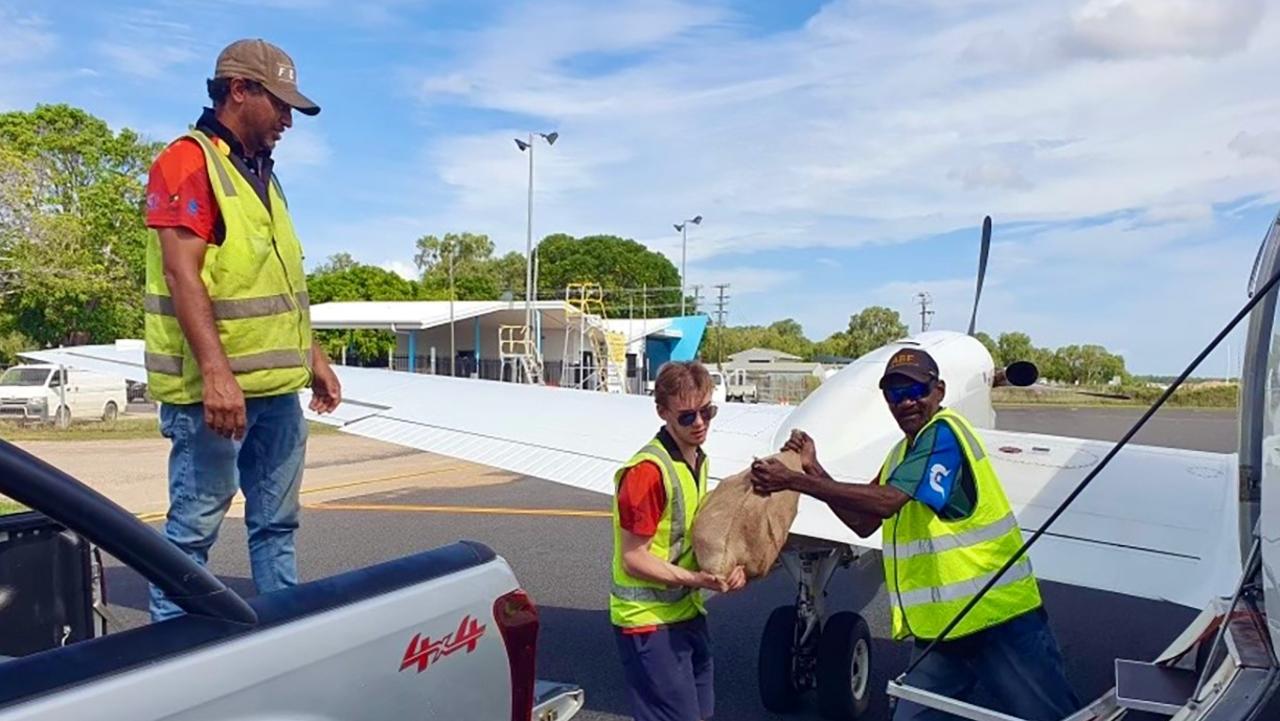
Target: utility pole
{"x": 697, "y": 298}
{"x": 453, "y": 348}
{"x": 721, "y": 302}
{"x": 925, "y": 313}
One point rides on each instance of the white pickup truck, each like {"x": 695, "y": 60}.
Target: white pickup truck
{"x": 446, "y": 634}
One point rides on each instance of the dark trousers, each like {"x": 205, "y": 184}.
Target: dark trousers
{"x": 1017, "y": 662}
{"x": 668, "y": 672}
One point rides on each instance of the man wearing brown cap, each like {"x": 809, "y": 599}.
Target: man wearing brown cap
{"x": 947, "y": 530}
{"x": 228, "y": 330}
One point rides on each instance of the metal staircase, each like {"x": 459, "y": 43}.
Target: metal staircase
{"x": 517, "y": 352}
{"x": 585, "y": 323}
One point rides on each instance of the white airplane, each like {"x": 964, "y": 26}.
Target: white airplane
{"x": 1186, "y": 548}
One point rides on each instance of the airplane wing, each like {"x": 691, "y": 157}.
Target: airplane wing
{"x": 1158, "y": 523}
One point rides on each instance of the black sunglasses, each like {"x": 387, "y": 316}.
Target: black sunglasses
{"x": 707, "y": 412}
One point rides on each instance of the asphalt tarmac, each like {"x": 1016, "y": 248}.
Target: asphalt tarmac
{"x": 563, "y": 561}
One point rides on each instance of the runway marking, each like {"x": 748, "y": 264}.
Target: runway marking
{"x": 157, "y": 515}
{"x": 478, "y": 510}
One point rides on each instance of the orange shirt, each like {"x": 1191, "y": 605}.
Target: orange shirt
{"x": 180, "y": 195}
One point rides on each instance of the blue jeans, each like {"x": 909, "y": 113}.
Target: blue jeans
{"x": 1018, "y": 663}
{"x": 206, "y": 470}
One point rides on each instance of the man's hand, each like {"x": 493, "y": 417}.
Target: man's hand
{"x": 326, "y": 390}
{"x": 737, "y": 579}
{"x": 801, "y": 443}
{"x": 769, "y": 475}
{"x": 709, "y": 581}
{"x": 224, "y": 405}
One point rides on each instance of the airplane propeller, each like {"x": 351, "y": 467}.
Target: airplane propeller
{"x": 1018, "y": 373}
{"x": 982, "y": 272}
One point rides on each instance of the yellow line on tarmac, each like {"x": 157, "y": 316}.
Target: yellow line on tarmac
{"x": 157, "y": 515}
{"x": 482, "y": 510}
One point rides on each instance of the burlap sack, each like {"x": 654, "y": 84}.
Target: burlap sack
{"x": 736, "y": 526}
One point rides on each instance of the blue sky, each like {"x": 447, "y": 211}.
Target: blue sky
{"x": 841, "y": 153}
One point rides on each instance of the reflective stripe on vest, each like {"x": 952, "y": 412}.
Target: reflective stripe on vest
{"x": 964, "y": 589}
{"x": 257, "y": 288}
{"x": 938, "y": 544}
{"x": 932, "y": 565}
{"x": 636, "y": 602}
{"x": 232, "y": 308}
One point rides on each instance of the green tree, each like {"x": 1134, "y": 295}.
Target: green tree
{"x": 990, "y": 345}
{"x": 66, "y": 290}
{"x": 72, "y": 235}
{"x": 339, "y": 280}
{"x": 616, "y": 264}
{"x": 1014, "y": 347}
{"x": 784, "y": 335}
{"x": 477, "y": 275}
{"x": 836, "y": 344}
{"x": 871, "y": 328}
{"x": 335, "y": 262}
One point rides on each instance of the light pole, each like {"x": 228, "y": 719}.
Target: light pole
{"x": 524, "y": 145}
{"x": 453, "y": 347}
{"x": 696, "y": 220}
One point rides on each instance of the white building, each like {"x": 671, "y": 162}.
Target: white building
{"x": 428, "y": 332}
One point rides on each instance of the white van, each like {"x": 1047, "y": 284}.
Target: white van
{"x": 48, "y": 393}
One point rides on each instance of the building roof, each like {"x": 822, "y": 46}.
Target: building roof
{"x": 794, "y": 367}
{"x": 410, "y": 314}
{"x": 407, "y": 315}
{"x": 762, "y": 355}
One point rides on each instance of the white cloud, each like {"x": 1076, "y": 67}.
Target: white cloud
{"x": 144, "y": 61}
{"x": 302, "y": 147}
{"x": 130, "y": 46}
{"x": 1112, "y": 29}
{"x": 1257, "y": 145}
{"x": 852, "y": 129}
{"x": 1179, "y": 213}
{"x": 991, "y": 174}
{"x": 742, "y": 280}
{"x": 401, "y": 268}
{"x": 24, "y": 38}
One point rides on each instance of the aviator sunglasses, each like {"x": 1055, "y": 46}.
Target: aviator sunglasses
{"x": 707, "y": 412}
{"x": 913, "y": 392}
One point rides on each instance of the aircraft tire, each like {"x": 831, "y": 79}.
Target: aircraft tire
{"x": 844, "y": 667}
{"x": 775, "y": 666}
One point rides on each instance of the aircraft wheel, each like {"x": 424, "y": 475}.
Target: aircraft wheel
{"x": 776, "y": 664}
{"x": 844, "y": 667}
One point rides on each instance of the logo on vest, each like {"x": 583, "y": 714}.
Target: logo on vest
{"x": 936, "y": 474}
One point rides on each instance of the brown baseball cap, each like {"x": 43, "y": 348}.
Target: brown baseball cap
{"x": 911, "y": 363}
{"x": 257, "y": 59}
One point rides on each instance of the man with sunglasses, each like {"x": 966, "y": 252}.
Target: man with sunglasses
{"x": 228, "y": 332}
{"x": 655, "y": 602}
{"x": 947, "y": 528}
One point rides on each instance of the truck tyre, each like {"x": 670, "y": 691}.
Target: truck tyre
{"x": 775, "y": 665}
{"x": 62, "y": 419}
{"x": 844, "y": 667}
{"x": 110, "y": 413}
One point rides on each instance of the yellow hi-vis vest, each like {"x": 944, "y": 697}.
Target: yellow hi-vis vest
{"x": 933, "y": 567}
{"x": 637, "y": 602}
{"x": 258, "y": 288}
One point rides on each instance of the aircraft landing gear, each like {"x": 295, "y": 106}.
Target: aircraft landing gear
{"x": 799, "y": 651}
